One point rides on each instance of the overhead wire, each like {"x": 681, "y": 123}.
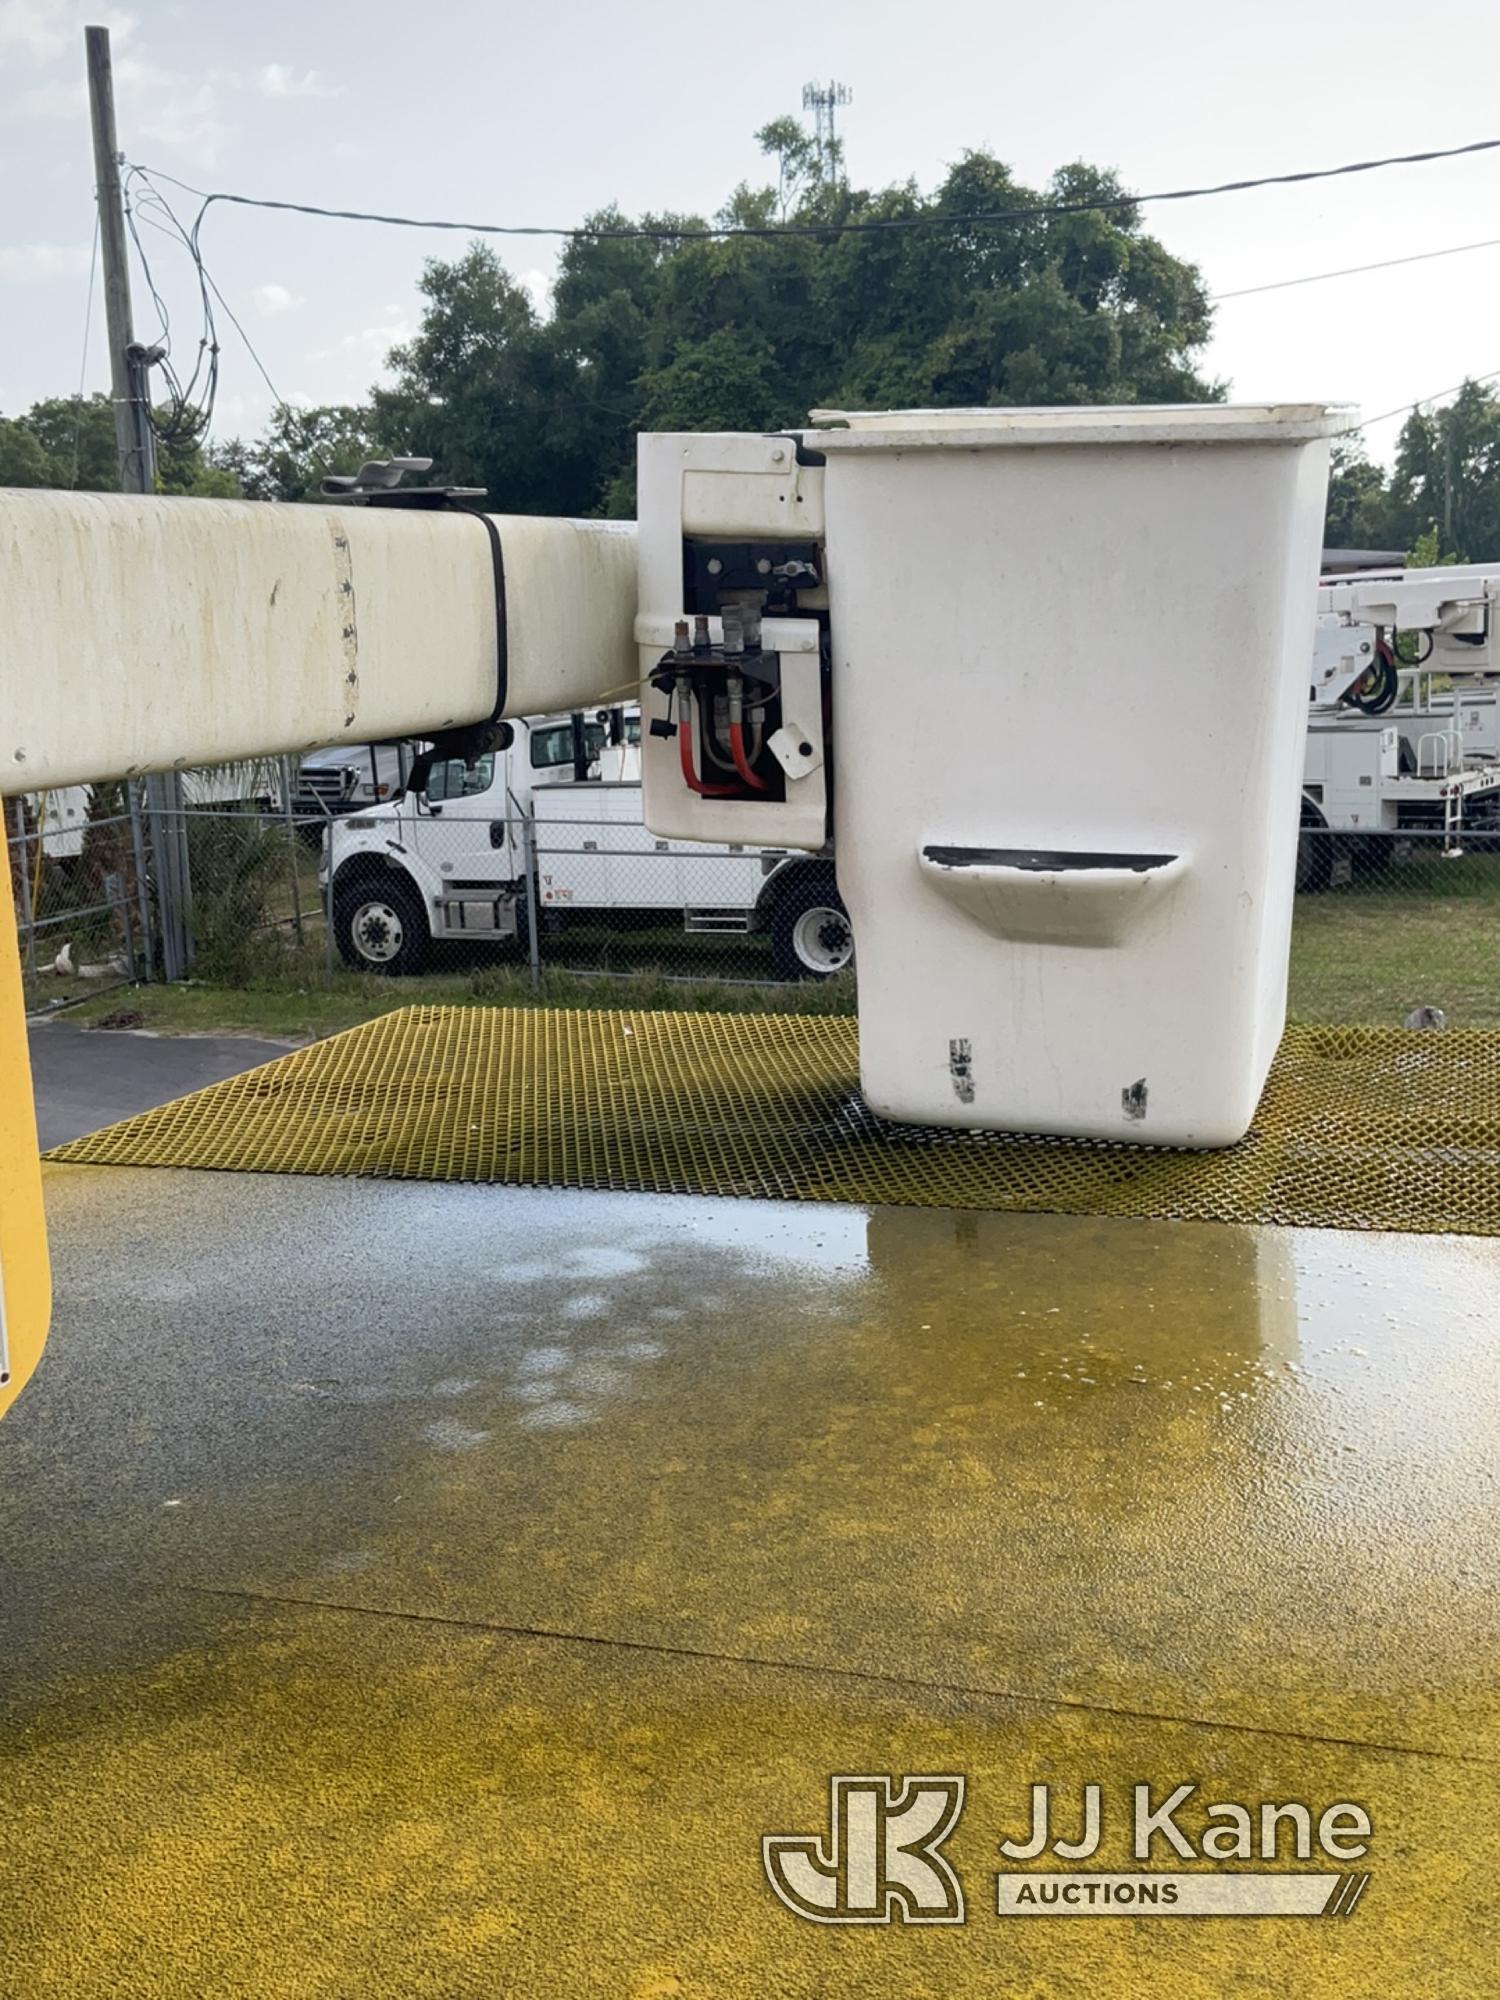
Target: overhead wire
{"x": 83, "y": 359}
{"x": 1405, "y": 409}
{"x": 190, "y": 405}
{"x": 277, "y": 398}
{"x": 1353, "y": 270}
{"x": 929, "y": 219}
{"x": 192, "y": 235}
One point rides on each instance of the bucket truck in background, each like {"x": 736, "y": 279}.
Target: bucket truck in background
{"x": 1403, "y": 726}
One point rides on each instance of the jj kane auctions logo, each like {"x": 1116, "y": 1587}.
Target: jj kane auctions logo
{"x": 881, "y": 1859}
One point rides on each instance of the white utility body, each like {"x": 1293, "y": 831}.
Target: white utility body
{"x": 1398, "y": 743}
{"x": 449, "y": 860}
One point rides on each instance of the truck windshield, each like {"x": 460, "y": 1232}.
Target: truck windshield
{"x": 453, "y": 779}
{"x": 554, "y": 744}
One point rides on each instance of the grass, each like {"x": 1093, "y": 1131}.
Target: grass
{"x": 1426, "y": 932}
{"x": 300, "y": 1000}
{"x": 1373, "y": 957}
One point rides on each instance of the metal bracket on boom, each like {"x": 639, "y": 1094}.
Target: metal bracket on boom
{"x": 378, "y": 484}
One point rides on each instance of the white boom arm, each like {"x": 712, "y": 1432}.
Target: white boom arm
{"x": 1459, "y": 608}
{"x": 146, "y": 634}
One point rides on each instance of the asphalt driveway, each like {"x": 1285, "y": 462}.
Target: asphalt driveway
{"x": 87, "y": 1077}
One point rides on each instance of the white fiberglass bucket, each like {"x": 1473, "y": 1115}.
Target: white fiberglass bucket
{"x": 1070, "y": 672}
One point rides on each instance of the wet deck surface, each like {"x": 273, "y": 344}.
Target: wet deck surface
{"x": 436, "y": 1590}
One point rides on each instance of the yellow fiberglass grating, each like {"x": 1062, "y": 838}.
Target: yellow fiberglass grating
{"x": 1360, "y": 1128}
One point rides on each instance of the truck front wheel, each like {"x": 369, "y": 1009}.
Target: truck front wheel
{"x": 811, "y": 936}
{"x": 381, "y": 926}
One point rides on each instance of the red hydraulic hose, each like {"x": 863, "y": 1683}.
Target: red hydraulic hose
{"x": 741, "y": 761}
{"x": 685, "y": 751}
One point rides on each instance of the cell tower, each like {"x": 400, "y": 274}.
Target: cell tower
{"x": 822, "y": 100}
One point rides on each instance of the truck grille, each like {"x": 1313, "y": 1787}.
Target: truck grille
{"x": 325, "y": 787}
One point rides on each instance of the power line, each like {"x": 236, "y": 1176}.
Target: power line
{"x": 278, "y": 399}
{"x": 186, "y": 423}
{"x": 83, "y": 359}
{"x": 928, "y": 220}
{"x": 189, "y": 411}
{"x": 1354, "y": 270}
{"x": 1405, "y": 409}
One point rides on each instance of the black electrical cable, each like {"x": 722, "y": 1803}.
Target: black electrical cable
{"x": 1354, "y": 270}
{"x": 870, "y": 225}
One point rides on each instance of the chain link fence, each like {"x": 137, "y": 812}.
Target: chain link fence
{"x": 575, "y": 899}
{"x": 80, "y": 887}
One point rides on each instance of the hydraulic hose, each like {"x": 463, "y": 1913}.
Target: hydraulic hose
{"x": 741, "y": 761}
{"x": 685, "y": 752}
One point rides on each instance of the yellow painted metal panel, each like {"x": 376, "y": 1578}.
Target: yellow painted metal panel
{"x": 25, "y": 1276}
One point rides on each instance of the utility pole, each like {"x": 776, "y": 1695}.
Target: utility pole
{"x": 823, "y": 100}
{"x": 129, "y": 372}
{"x": 127, "y": 383}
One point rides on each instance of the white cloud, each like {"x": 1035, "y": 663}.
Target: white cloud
{"x": 187, "y": 116}
{"x": 56, "y": 99}
{"x": 181, "y": 111}
{"x": 539, "y": 288}
{"x": 39, "y": 31}
{"x": 40, "y": 263}
{"x": 273, "y": 299}
{"x": 370, "y": 340}
{"x": 281, "y": 80}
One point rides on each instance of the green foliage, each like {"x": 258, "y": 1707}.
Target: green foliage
{"x": 1426, "y": 551}
{"x": 23, "y": 457}
{"x": 753, "y": 332}
{"x": 1357, "y": 515}
{"x": 301, "y": 447}
{"x": 1447, "y": 474}
{"x": 70, "y": 442}
{"x": 235, "y": 862}
{"x": 1443, "y": 491}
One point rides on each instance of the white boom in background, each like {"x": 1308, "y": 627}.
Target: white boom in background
{"x": 142, "y": 634}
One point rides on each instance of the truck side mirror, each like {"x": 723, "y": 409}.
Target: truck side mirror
{"x": 421, "y": 771}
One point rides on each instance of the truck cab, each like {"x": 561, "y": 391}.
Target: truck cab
{"x": 551, "y": 824}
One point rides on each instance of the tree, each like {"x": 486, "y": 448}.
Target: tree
{"x": 1358, "y": 514}
{"x": 494, "y": 396}
{"x": 69, "y": 441}
{"x": 23, "y": 457}
{"x": 1447, "y": 475}
{"x": 680, "y": 330}
{"x": 302, "y": 446}
{"x": 798, "y": 167}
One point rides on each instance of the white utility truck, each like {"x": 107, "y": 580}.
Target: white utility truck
{"x": 1401, "y": 744}
{"x": 448, "y": 858}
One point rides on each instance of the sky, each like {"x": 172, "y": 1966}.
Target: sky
{"x": 496, "y": 111}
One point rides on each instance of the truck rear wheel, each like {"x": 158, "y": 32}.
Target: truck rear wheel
{"x": 1314, "y": 852}
{"x": 381, "y": 926}
{"x": 811, "y": 937}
